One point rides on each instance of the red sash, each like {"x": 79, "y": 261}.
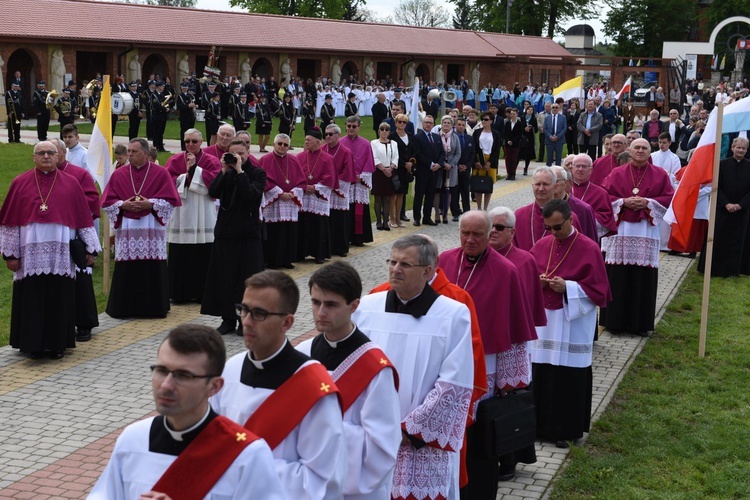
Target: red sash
{"x": 285, "y": 408}
{"x": 359, "y": 375}
{"x": 205, "y": 460}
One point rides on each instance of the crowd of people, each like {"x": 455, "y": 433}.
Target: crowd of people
{"x": 410, "y": 365}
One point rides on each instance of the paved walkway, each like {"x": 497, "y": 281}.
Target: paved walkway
{"x": 60, "y": 418}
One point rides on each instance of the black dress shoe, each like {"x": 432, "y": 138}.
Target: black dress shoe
{"x": 320, "y": 261}
{"x": 379, "y": 227}
{"x": 84, "y": 335}
{"x": 386, "y": 227}
{"x": 505, "y": 473}
{"x": 227, "y": 326}
{"x": 36, "y": 355}
{"x": 562, "y": 444}
{"x": 417, "y": 223}
{"x": 405, "y": 219}
{"x": 429, "y": 222}
{"x": 288, "y": 266}
{"x": 455, "y": 219}
{"x": 56, "y": 354}
{"x": 445, "y": 220}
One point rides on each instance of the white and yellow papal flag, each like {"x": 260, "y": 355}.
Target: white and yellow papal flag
{"x": 99, "y": 155}
{"x": 571, "y": 89}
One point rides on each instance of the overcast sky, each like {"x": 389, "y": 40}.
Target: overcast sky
{"x": 384, "y": 8}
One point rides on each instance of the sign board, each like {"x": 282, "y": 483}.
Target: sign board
{"x": 692, "y": 66}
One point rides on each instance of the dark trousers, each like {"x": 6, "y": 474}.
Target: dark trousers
{"x": 149, "y": 127}
{"x": 42, "y": 125}
{"x": 424, "y": 189}
{"x": 133, "y": 126}
{"x": 554, "y": 153}
{"x": 461, "y": 191}
{"x": 160, "y": 124}
{"x": 114, "y": 124}
{"x": 14, "y": 130}
{"x": 541, "y": 148}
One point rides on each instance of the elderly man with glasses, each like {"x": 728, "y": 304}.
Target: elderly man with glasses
{"x": 428, "y": 339}
{"x": 45, "y": 209}
{"x": 603, "y": 166}
{"x": 282, "y": 198}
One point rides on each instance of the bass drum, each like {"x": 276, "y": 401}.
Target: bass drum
{"x": 122, "y": 103}
{"x": 200, "y": 115}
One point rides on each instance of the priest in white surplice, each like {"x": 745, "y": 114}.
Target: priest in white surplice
{"x": 284, "y": 396}
{"x": 190, "y": 233}
{"x": 428, "y": 338}
{"x": 188, "y": 451}
{"x": 366, "y": 380}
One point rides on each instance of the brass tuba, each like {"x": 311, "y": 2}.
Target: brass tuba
{"x": 165, "y": 104}
{"x": 52, "y": 98}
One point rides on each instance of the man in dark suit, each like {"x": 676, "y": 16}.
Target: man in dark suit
{"x": 554, "y": 134}
{"x": 430, "y": 157}
{"x": 379, "y": 112}
{"x": 430, "y": 107}
{"x": 468, "y": 154}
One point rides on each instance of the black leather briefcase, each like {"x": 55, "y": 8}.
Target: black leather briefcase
{"x": 505, "y": 424}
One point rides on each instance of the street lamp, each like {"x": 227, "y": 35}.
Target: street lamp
{"x": 507, "y": 16}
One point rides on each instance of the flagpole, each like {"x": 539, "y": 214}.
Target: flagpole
{"x": 710, "y": 236}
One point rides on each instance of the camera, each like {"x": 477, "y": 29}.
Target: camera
{"x": 229, "y": 159}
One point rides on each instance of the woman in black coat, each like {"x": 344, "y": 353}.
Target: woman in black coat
{"x": 487, "y": 142}
{"x": 512, "y": 136}
{"x": 530, "y": 128}
{"x": 406, "y": 162}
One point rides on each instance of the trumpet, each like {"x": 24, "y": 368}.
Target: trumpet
{"x": 52, "y": 99}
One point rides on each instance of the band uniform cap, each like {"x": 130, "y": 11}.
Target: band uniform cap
{"x": 243, "y": 94}
{"x": 184, "y": 85}
{"x": 66, "y": 89}
{"x": 328, "y": 96}
{"x": 71, "y": 82}
{"x": 160, "y": 83}
{"x": 151, "y": 82}
{"x": 399, "y": 90}
{"x": 40, "y": 82}
{"x": 15, "y": 84}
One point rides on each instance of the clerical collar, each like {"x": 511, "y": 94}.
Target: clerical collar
{"x": 416, "y": 307}
{"x": 177, "y": 435}
{"x": 334, "y": 343}
{"x": 410, "y": 300}
{"x": 571, "y": 233}
{"x": 474, "y": 259}
{"x": 259, "y": 363}
{"x": 139, "y": 167}
{"x": 277, "y": 154}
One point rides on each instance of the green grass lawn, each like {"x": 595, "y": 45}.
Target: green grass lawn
{"x": 173, "y": 130}
{"x": 677, "y": 426}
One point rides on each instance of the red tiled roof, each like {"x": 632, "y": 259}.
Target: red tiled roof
{"x": 121, "y": 23}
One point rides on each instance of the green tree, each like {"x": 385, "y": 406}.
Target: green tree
{"x": 532, "y": 17}
{"x": 639, "y": 27}
{"x": 333, "y": 9}
{"x": 464, "y": 15}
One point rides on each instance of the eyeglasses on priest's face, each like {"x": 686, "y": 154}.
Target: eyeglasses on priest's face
{"x": 256, "y": 313}
{"x": 556, "y": 227}
{"x": 159, "y": 372}
{"x": 283, "y": 144}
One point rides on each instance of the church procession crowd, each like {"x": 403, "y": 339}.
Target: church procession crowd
{"x": 399, "y": 393}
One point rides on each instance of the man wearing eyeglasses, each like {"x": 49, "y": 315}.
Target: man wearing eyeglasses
{"x": 430, "y": 159}
{"x": 190, "y": 232}
{"x": 597, "y": 197}
{"x": 285, "y": 186}
{"x": 176, "y": 454}
{"x": 365, "y": 377}
{"x": 555, "y": 125}
{"x": 499, "y": 293}
{"x": 603, "y": 166}
{"x": 574, "y": 282}
{"x": 427, "y": 336}
{"x": 340, "y": 221}
{"x": 360, "y": 231}
{"x": 282, "y": 395}
{"x": 224, "y": 136}
{"x": 584, "y": 212}
{"x": 41, "y": 214}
